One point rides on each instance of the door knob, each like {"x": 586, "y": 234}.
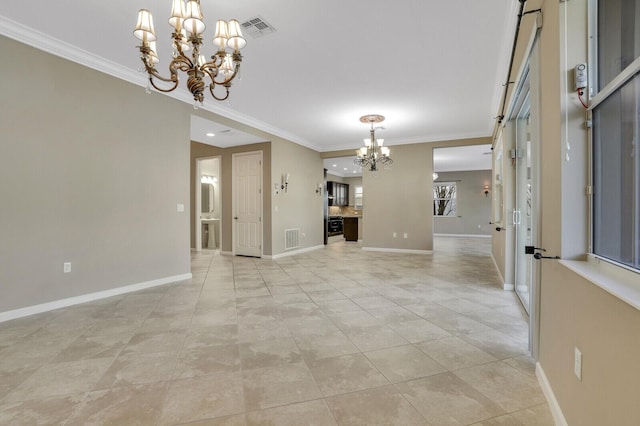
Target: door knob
{"x": 235, "y": 217}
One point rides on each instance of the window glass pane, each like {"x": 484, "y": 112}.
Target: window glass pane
{"x": 616, "y": 173}
{"x": 444, "y": 199}
{"x": 618, "y": 37}
{"x": 358, "y": 197}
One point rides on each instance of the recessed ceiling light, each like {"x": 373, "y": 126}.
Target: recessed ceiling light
{"x": 211, "y": 134}
{"x": 345, "y": 169}
{"x": 335, "y": 165}
{"x": 354, "y": 171}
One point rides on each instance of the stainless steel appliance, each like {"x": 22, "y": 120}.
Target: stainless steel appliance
{"x": 335, "y": 225}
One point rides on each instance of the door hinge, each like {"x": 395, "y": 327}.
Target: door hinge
{"x": 259, "y": 219}
{"x": 589, "y": 190}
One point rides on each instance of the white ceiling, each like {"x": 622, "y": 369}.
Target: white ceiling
{"x": 452, "y": 159}
{"x": 435, "y": 69}
{"x": 462, "y": 158}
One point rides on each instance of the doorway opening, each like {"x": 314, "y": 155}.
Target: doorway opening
{"x": 462, "y": 191}
{"x": 343, "y": 198}
{"x": 208, "y": 212}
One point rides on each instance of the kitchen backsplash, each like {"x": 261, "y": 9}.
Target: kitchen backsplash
{"x": 343, "y": 211}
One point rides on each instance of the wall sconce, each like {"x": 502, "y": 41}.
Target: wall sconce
{"x": 285, "y": 182}
{"x": 319, "y": 189}
{"x": 485, "y": 189}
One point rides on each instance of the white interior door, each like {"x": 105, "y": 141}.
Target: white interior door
{"x": 247, "y": 204}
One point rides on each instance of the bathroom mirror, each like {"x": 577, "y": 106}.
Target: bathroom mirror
{"x": 208, "y": 198}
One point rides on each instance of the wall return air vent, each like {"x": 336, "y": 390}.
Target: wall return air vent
{"x": 257, "y": 27}
{"x": 291, "y": 238}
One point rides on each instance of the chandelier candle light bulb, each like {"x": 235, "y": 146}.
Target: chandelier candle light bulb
{"x": 188, "y": 23}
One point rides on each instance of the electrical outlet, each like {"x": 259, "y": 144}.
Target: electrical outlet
{"x": 577, "y": 363}
{"x": 66, "y": 267}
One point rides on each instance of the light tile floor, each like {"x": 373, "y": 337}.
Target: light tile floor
{"x": 335, "y": 336}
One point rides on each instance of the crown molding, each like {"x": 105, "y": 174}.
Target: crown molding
{"x": 414, "y": 140}
{"x": 62, "y": 49}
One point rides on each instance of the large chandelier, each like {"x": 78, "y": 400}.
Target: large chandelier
{"x": 187, "y": 21}
{"x": 373, "y": 153}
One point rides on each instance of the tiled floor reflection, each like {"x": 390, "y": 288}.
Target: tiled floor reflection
{"x": 337, "y": 336}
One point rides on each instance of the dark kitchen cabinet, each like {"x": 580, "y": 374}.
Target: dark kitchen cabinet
{"x": 338, "y": 193}
{"x": 350, "y": 228}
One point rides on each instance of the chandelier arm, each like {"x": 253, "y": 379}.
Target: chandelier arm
{"x": 177, "y": 39}
{"x": 228, "y": 80}
{"x": 153, "y": 73}
{"x": 211, "y": 68}
{"x": 160, "y": 89}
{"x": 212, "y": 86}
{"x": 207, "y": 68}
{"x": 182, "y": 63}
{"x": 237, "y": 60}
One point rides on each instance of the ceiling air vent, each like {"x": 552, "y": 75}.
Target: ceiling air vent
{"x": 257, "y": 27}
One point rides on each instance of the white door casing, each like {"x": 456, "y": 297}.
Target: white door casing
{"x": 247, "y": 204}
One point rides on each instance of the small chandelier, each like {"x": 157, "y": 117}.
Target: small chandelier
{"x": 187, "y": 21}
{"x": 373, "y": 153}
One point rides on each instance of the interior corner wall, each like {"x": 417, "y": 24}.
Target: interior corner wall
{"x": 200, "y": 150}
{"x": 473, "y": 206}
{"x": 300, "y": 207}
{"x": 91, "y": 172}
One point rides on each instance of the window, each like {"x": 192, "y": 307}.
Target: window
{"x": 444, "y": 199}
{"x": 616, "y": 129}
{"x": 357, "y": 197}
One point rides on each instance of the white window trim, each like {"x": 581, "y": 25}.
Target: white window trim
{"x": 617, "y": 279}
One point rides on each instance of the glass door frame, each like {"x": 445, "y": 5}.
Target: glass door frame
{"x": 526, "y": 106}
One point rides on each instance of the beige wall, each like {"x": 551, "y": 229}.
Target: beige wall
{"x": 398, "y": 200}
{"x": 200, "y": 150}
{"x": 575, "y": 313}
{"x": 91, "y": 171}
{"x": 300, "y": 207}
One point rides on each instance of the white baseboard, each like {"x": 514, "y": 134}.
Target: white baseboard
{"x": 392, "y": 250}
{"x": 63, "y": 303}
{"x": 294, "y": 252}
{"x": 556, "y": 412}
{"x": 505, "y": 286}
